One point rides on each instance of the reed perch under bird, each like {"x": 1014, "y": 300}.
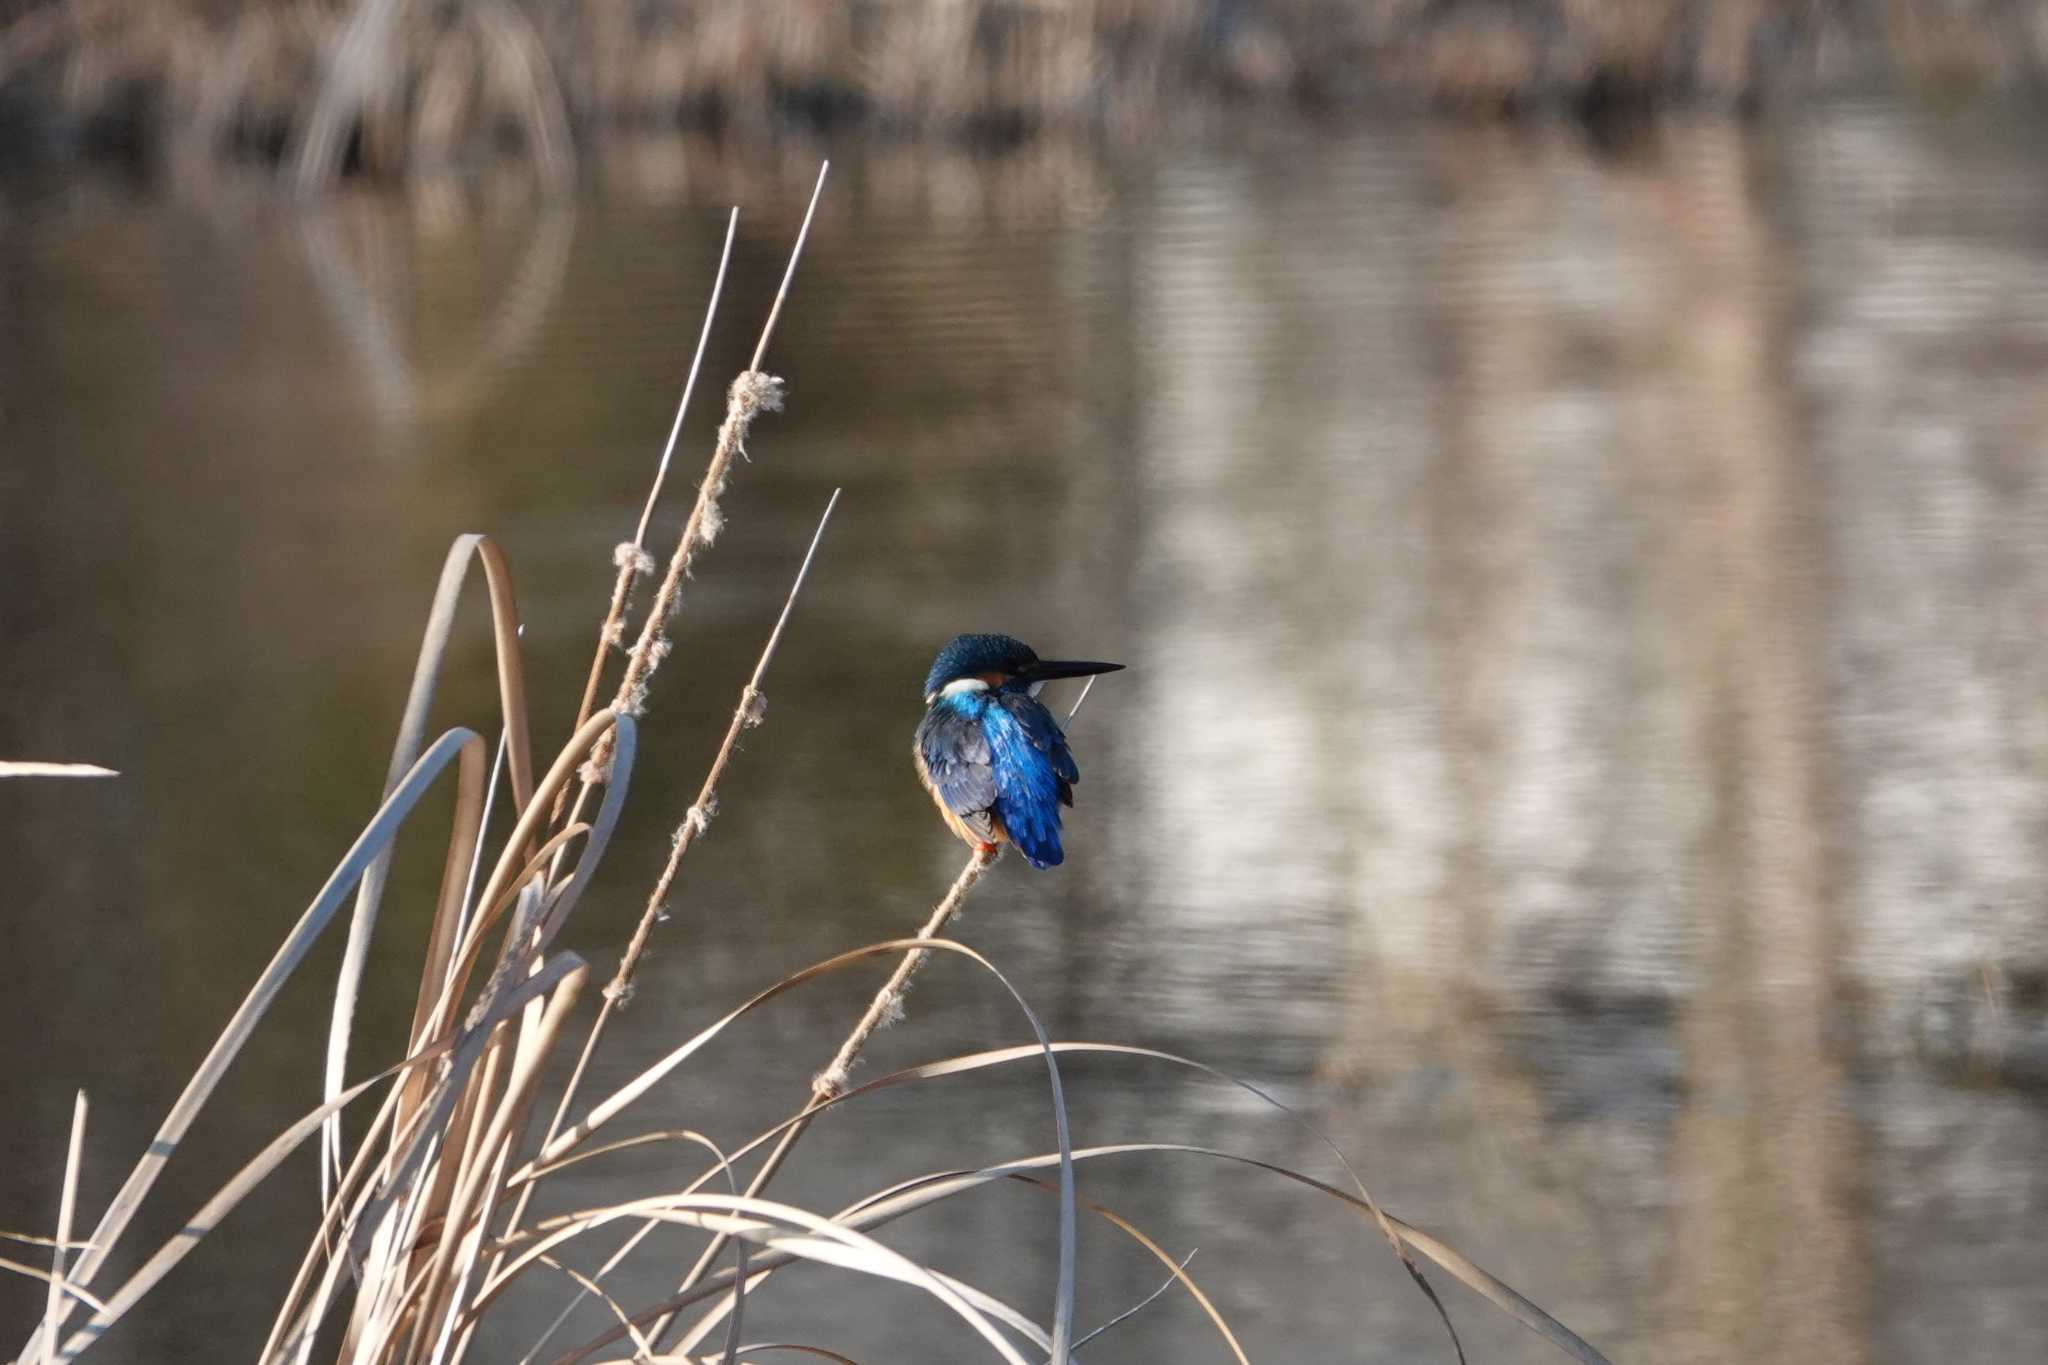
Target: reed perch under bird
{"x": 993, "y": 758}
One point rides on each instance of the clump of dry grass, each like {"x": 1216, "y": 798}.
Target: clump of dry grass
{"x": 425, "y": 1225}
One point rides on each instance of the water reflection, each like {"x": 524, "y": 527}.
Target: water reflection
{"x": 364, "y": 303}
{"x": 1584, "y": 738}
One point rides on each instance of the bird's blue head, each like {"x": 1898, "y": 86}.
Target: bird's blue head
{"x": 994, "y": 662}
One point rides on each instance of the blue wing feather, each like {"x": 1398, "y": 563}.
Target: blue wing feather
{"x": 953, "y": 753}
{"x": 1034, "y": 774}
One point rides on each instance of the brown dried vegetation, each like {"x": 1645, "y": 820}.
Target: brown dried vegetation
{"x": 390, "y": 88}
{"x": 426, "y": 1223}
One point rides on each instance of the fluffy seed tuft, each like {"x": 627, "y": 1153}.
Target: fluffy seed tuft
{"x": 831, "y": 1083}
{"x": 752, "y": 393}
{"x": 757, "y": 391}
{"x": 629, "y": 555}
{"x": 710, "y": 524}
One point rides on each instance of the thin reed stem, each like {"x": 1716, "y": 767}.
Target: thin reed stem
{"x": 632, "y": 557}
{"x": 751, "y": 394}
{"x": 19, "y": 768}
{"x": 668, "y": 451}
{"x": 830, "y": 1083}
{"x": 67, "y": 1204}
{"x": 750, "y": 711}
{"x": 888, "y": 1002}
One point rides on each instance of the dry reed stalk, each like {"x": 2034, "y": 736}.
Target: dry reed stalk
{"x": 368, "y": 846}
{"x": 750, "y": 711}
{"x": 1057, "y": 1343}
{"x": 887, "y": 1006}
{"x": 505, "y": 629}
{"x": 19, "y": 768}
{"x": 696, "y": 820}
{"x": 419, "y": 1194}
{"x": 830, "y": 1084}
{"x": 411, "y": 1214}
{"x": 402, "y": 1280}
{"x": 67, "y": 1205}
{"x": 466, "y": 1127}
{"x": 32, "y": 1272}
{"x": 903, "y": 1198}
{"x": 335, "y": 1220}
{"x": 631, "y": 556}
{"x": 926, "y": 1190}
{"x": 483, "y": 1183}
{"x": 751, "y": 393}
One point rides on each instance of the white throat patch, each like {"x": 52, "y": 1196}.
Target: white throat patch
{"x": 959, "y": 685}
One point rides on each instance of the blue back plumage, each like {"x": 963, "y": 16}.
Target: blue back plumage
{"x": 998, "y": 752}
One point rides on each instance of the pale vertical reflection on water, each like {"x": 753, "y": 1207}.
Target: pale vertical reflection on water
{"x": 1584, "y": 741}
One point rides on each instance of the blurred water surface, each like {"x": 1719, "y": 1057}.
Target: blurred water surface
{"x": 1585, "y": 744}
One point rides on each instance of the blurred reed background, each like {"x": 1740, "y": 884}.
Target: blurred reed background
{"x": 1582, "y": 569}
{"x": 389, "y": 88}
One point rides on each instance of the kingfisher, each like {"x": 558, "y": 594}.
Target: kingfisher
{"x": 993, "y": 758}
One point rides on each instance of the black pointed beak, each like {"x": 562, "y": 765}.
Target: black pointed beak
{"x": 1046, "y": 670}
